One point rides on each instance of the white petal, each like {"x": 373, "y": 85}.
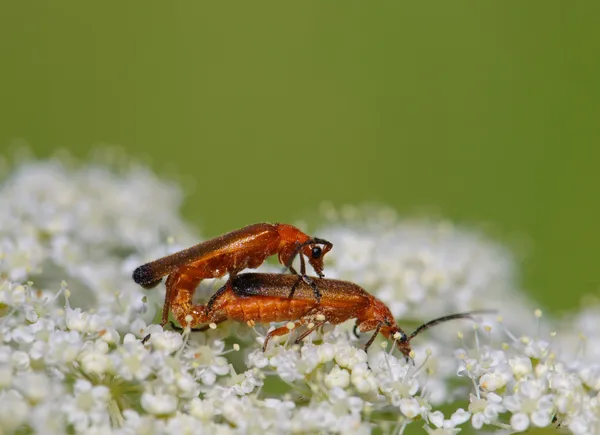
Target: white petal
{"x": 437, "y": 418}
{"x": 478, "y": 420}
{"x": 460, "y": 416}
{"x": 541, "y": 418}
{"x": 519, "y": 422}
{"x": 410, "y": 408}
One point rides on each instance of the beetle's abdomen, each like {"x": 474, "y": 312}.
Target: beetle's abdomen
{"x": 265, "y": 309}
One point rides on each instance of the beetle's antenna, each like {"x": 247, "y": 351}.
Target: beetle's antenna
{"x": 323, "y": 242}
{"x": 298, "y": 248}
{"x": 468, "y": 315}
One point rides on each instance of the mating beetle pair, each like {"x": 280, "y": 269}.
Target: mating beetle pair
{"x": 263, "y": 298}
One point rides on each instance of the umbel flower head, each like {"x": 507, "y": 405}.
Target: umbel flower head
{"x": 71, "y": 322}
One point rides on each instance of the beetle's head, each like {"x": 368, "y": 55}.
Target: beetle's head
{"x": 314, "y": 250}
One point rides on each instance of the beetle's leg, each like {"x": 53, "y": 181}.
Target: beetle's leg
{"x": 170, "y": 285}
{"x": 300, "y": 277}
{"x": 314, "y": 287}
{"x": 195, "y": 315}
{"x": 180, "y": 289}
{"x": 293, "y": 257}
{"x": 370, "y": 342}
{"x": 306, "y": 279}
{"x": 279, "y": 331}
{"x": 213, "y": 298}
{"x": 181, "y": 286}
{"x": 294, "y": 287}
{"x": 302, "y": 265}
{"x": 309, "y": 331}
{"x": 355, "y": 330}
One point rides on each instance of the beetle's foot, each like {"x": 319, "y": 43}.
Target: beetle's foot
{"x": 314, "y": 287}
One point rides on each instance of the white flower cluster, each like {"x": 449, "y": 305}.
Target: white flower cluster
{"x": 72, "y": 359}
{"x": 422, "y": 268}
{"x": 90, "y": 226}
{"x": 528, "y": 383}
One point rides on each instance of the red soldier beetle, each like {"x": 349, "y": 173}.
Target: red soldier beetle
{"x": 263, "y": 298}
{"x": 230, "y": 253}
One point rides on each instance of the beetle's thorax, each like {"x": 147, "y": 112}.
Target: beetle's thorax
{"x": 290, "y": 238}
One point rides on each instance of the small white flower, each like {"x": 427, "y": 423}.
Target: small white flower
{"x": 363, "y": 379}
{"x": 519, "y": 422}
{"x": 203, "y": 410}
{"x": 245, "y": 383}
{"x": 187, "y": 385}
{"x": 6, "y": 375}
{"x": 309, "y": 358}
{"x": 590, "y": 375}
{"x": 33, "y": 386}
{"x": 521, "y": 366}
{"x": 110, "y": 336}
{"x": 159, "y": 404}
{"x": 410, "y": 407}
{"x": 286, "y": 364}
{"x": 447, "y": 427}
{"x": 258, "y": 359}
{"x": 166, "y": 341}
{"x": 485, "y": 411}
{"x": 207, "y": 361}
{"x": 13, "y": 411}
{"x": 20, "y": 360}
{"x": 326, "y": 352}
{"x": 437, "y": 418}
{"x": 76, "y": 320}
{"x": 492, "y": 381}
{"x": 138, "y": 328}
{"x": 460, "y": 416}
{"x": 531, "y": 402}
{"x": 93, "y": 357}
{"x": 337, "y": 377}
{"x": 22, "y": 335}
{"x": 537, "y": 349}
{"x": 38, "y": 350}
{"x": 131, "y": 362}
{"x": 348, "y": 356}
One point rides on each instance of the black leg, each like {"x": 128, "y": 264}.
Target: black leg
{"x": 307, "y": 280}
{"x": 302, "y": 265}
{"x": 314, "y": 287}
{"x": 294, "y": 287}
{"x": 372, "y": 339}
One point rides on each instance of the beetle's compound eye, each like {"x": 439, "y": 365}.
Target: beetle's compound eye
{"x": 316, "y": 252}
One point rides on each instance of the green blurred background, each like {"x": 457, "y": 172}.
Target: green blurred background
{"x": 488, "y": 111}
